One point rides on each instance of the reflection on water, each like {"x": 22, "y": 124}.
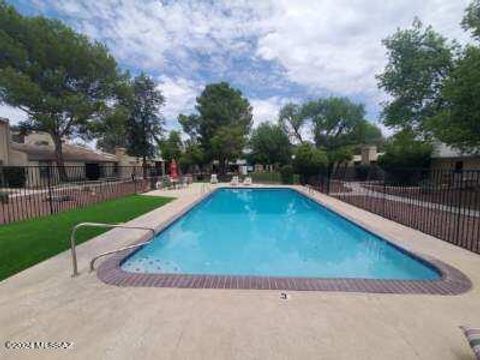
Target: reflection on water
{"x": 274, "y": 232}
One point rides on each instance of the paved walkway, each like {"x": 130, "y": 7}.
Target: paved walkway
{"x": 357, "y": 189}
{"x": 44, "y": 303}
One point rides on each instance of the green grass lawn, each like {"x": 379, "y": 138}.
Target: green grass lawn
{"x": 26, "y": 243}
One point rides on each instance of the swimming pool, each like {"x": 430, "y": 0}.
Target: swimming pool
{"x": 273, "y": 233}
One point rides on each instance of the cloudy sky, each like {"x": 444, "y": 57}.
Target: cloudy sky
{"x": 274, "y": 51}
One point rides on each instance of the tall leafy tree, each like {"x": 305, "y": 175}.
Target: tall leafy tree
{"x": 471, "y": 20}
{"x": 60, "y": 78}
{"x": 145, "y": 123}
{"x": 405, "y": 152}
{"x": 292, "y": 121}
{"x": 192, "y": 157}
{"x": 339, "y": 126}
{"x": 111, "y": 128}
{"x": 309, "y": 161}
{"x": 111, "y": 131}
{"x": 419, "y": 60}
{"x": 270, "y": 145}
{"x": 458, "y": 124}
{"x": 227, "y": 144}
{"x": 221, "y": 123}
{"x": 171, "y": 147}
{"x": 370, "y": 134}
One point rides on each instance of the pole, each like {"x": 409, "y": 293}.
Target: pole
{"x": 49, "y": 184}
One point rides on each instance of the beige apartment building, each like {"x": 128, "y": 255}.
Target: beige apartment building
{"x": 445, "y": 157}
{"x": 37, "y": 150}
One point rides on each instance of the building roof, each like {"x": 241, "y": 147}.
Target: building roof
{"x": 442, "y": 151}
{"x": 70, "y": 153}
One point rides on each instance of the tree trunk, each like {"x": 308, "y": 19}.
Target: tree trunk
{"x": 222, "y": 166}
{"x": 330, "y": 168}
{"x": 337, "y": 167}
{"x": 57, "y": 140}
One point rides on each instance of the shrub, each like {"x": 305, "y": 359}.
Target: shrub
{"x": 286, "y": 173}
{"x": 362, "y": 171}
{"x": 309, "y": 161}
{"x": 266, "y": 177}
{"x": 402, "y": 154}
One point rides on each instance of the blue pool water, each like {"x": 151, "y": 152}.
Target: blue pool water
{"x": 272, "y": 232}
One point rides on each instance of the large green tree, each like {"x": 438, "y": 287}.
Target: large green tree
{"x": 192, "y": 158}
{"x": 145, "y": 123}
{"x": 370, "y": 134}
{"x": 293, "y": 121}
{"x": 111, "y": 130}
{"x": 60, "y": 78}
{"x": 471, "y": 20}
{"x": 458, "y": 124}
{"x": 221, "y": 123}
{"x": 404, "y": 150}
{"x": 171, "y": 147}
{"x": 339, "y": 126}
{"x": 309, "y": 161}
{"x": 404, "y": 153}
{"x": 270, "y": 145}
{"x": 419, "y": 60}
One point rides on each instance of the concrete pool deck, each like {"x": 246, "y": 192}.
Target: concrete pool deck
{"x": 44, "y": 303}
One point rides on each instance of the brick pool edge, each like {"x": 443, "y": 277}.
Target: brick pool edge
{"x": 451, "y": 282}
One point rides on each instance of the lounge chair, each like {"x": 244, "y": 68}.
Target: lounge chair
{"x": 213, "y": 179}
{"x": 234, "y": 181}
{"x": 247, "y": 181}
{"x": 184, "y": 182}
{"x": 166, "y": 183}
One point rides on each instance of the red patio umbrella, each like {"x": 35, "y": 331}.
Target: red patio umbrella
{"x": 173, "y": 169}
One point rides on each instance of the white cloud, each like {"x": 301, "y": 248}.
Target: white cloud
{"x": 144, "y": 33}
{"x": 15, "y": 115}
{"x": 336, "y": 44}
{"x": 266, "y": 110}
{"x": 328, "y": 46}
{"x": 180, "y": 95}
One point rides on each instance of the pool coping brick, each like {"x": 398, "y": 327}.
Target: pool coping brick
{"x": 451, "y": 282}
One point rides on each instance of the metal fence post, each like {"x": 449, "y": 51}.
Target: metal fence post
{"x": 134, "y": 179}
{"x": 49, "y": 185}
{"x": 328, "y": 181}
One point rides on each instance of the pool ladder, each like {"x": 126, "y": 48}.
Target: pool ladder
{"x": 103, "y": 225}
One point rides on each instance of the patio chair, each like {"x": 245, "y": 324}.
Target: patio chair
{"x": 213, "y": 179}
{"x": 184, "y": 182}
{"x": 234, "y": 181}
{"x": 247, "y": 181}
{"x": 166, "y": 183}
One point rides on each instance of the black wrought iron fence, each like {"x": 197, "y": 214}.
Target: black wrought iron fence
{"x": 31, "y": 191}
{"x": 439, "y": 202}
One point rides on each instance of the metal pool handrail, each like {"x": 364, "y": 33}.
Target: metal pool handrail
{"x": 104, "y": 225}
{"x": 92, "y": 262}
